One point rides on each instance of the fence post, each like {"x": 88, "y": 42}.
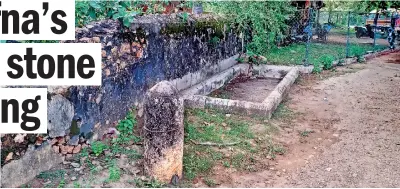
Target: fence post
{"x": 375, "y": 25}
{"x": 163, "y": 133}
{"x": 309, "y": 36}
{"x": 348, "y": 36}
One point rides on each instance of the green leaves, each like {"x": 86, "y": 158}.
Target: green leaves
{"x": 265, "y": 18}
{"x": 123, "y": 11}
{"x": 98, "y": 147}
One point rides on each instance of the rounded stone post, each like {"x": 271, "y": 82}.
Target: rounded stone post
{"x": 163, "y": 133}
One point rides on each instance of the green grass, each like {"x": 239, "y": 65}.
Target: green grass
{"x": 305, "y": 133}
{"x": 209, "y": 182}
{"x": 294, "y": 54}
{"x": 54, "y": 176}
{"x": 213, "y": 126}
{"x": 51, "y": 175}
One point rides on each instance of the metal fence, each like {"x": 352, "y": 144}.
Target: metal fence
{"x": 318, "y": 37}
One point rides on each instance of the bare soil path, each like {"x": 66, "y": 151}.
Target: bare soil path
{"x": 367, "y": 103}
{"x": 352, "y": 116}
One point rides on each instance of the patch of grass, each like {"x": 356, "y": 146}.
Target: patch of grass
{"x": 98, "y": 147}
{"x": 214, "y": 126}
{"x": 76, "y": 184}
{"x": 205, "y": 126}
{"x": 61, "y": 184}
{"x": 51, "y": 175}
{"x": 274, "y": 149}
{"x": 294, "y": 54}
{"x": 196, "y": 162}
{"x": 238, "y": 160}
{"x": 114, "y": 146}
{"x": 114, "y": 172}
{"x": 150, "y": 183}
{"x": 305, "y": 133}
{"x": 226, "y": 164}
{"x": 209, "y": 182}
{"x": 26, "y": 186}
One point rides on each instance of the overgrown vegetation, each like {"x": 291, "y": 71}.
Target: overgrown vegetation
{"x": 102, "y": 151}
{"x": 320, "y": 53}
{"x": 262, "y": 21}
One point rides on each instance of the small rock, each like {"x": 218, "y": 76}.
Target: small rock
{"x": 77, "y": 149}
{"x": 70, "y": 149}
{"x": 134, "y": 170}
{"x": 56, "y": 149}
{"x": 75, "y": 165}
{"x": 64, "y": 150}
{"x": 271, "y": 168}
{"x": 78, "y": 169}
{"x": 19, "y": 138}
{"x": 74, "y": 140}
{"x": 46, "y": 183}
{"x": 66, "y": 162}
{"x": 228, "y": 115}
{"x": 335, "y": 135}
{"x": 67, "y": 138}
{"x": 60, "y": 113}
{"x": 99, "y": 168}
{"x": 53, "y": 141}
{"x": 73, "y": 178}
{"x": 328, "y": 169}
{"x": 278, "y": 173}
{"x": 354, "y": 175}
{"x": 84, "y": 146}
{"x": 9, "y": 156}
{"x": 96, "y": 39}
{"x": 61, "y": 141}
{"x": 69, "y": 156}
{"x": 284, "y": 170}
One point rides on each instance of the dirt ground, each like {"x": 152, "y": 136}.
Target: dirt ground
{"x": 353, "y": 114}
{"x": 247, "y": 89}
{"x": 340, "y": 129}
{"x": 342, "y": 39}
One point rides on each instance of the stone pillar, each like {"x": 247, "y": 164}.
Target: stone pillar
{"x": 163, "y": 133}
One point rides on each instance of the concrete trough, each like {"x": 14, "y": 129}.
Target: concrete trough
{"x": 196, "y": 96}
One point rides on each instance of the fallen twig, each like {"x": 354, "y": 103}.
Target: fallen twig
{"x": 214, "y": 144}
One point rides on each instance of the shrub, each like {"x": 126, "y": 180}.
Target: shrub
{"x": 326, "y": 61}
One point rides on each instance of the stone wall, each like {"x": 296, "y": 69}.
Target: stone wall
{"x": 163, "y": 48}
{"x": 155, "y": 48}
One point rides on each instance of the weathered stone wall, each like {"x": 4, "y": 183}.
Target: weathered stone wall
{"x": 163, "y": 48}
{"x": 155, "y": 48}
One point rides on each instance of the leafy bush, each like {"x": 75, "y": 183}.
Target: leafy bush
{"x": 327, "y": 61}
{"x": 125, "y": 127}
{"x": 98, "y": 147}
{"x": 261, "y": 21}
